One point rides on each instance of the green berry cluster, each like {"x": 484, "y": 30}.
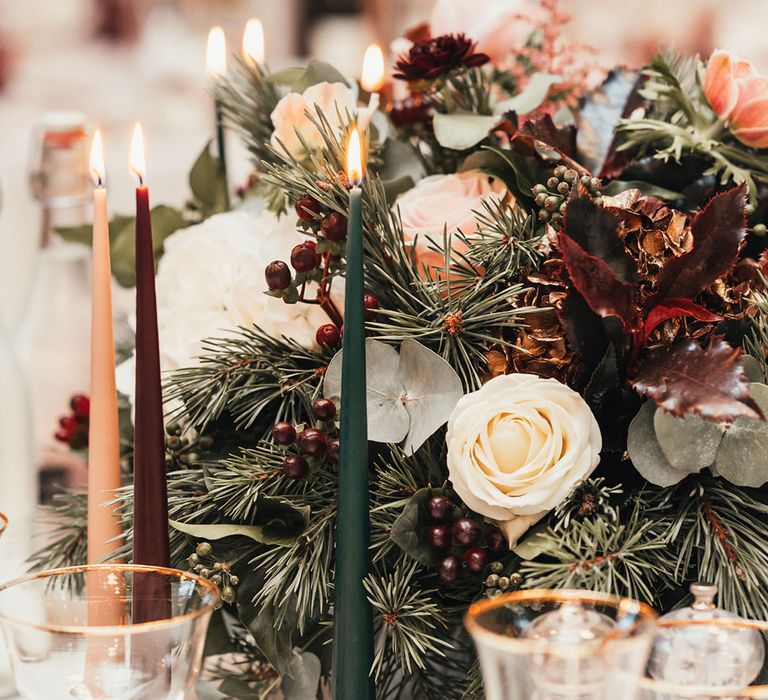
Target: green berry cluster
{"x": 496, "y": 584}
{"x": 203, "y": 563}
{"x": 552, "y": 197}
{"x": 181, "y": 450}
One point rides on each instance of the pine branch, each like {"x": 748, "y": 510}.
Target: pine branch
{"x": 68, "y": 514}
{"x": 755, "y": 341}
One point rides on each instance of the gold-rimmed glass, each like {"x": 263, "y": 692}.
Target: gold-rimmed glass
{"x": 3, "y": 523}
{"x": 107, "y": 631}
{"x": 559, "y": 645}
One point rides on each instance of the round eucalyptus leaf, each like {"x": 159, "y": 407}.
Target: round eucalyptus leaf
{"x": 743, "y": 454}
{"x": 753, "y": 369}
{"x": 645, "y": 452}
{"x": 689, "y": 443}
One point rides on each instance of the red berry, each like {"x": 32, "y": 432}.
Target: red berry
{"x": 324, "y": 409}
{"x": 448, "y": 567}
{"x": 284, "y": 433}
{"x": 476, "y": 559}
{"x": 307, "y": 207}
{"x": 332, "y": 455}
{"x": 439, "y": 508}
{"x": 466, "y": 531}
{"x": 62, "y": 435}
{"x": 304, "y": 258}
{"x": 312, "y": 442}
{"x": 334, "y": 227}
{"x": 277, "y": 275}
{"x": 68, "y": 423}
{"x": 439, "y": 536}
{"x": 371, "y": 303}
{"x": 295, "y": 467}
{"x": 328, "y": 335}
{"x": 496, "y": 541}
{"x": 80, "y": 405}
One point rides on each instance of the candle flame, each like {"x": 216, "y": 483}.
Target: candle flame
{"x": 253, "y": 41}
{"x": 97, "y": 158}
{"x": 137, "y": 163}
{"x": 216, "y": 53}
{"x": 354, "y": 159}
{"x": 372, "y": 77}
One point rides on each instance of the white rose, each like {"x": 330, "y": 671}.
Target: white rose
{"x": 518, "y": 446}
{"x": 497, "y": 26}
{"x": 210, "y": 280}
{"x": 290, "y": 119}
{"x": 445, "y": 203}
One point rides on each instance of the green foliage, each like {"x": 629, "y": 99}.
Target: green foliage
{"x": 69, "y": 544}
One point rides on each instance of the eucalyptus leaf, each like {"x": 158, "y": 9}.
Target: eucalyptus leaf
{"x": 388, "y": 420}
{"x": 689, "y": 443}
{"x": 208, "y": 184}
{"x": 518, "y": 172}
{"x": 462, "y": 130}
{"x": 288, "y": 76}
{"x": 273, "y": 635}
{"x": 531, "y": 97}
{"x": 218, "y": 531}
{"x": 743, "y": 454}
{"x": 753, "y": 369}
{"x": 646, "y": 453}
{"x": 301, "y": 680}
{"x": 319, "y": 72}
{"x": 538, "y": 542}
{"x": 432, "y": 390}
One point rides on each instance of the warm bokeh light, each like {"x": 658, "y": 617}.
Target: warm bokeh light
{"x": 372, "y": 77}
{"x": 253, "y": 41}
{"x": 354, "y": 158}
{"x": 216, "y": 53}
{"x": 97, "y": 158}
{"x": 137, "y": 163}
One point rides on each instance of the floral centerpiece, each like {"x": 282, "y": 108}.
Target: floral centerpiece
{"x": 567, "y": 326}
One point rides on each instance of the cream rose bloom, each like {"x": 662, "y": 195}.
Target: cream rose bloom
{"x": 518, "y": 446}
{"x": 445, "y": 203}
{"x": 290, "y": 116}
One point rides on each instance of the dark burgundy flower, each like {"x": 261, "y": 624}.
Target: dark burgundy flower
{"x": 430, "y": 59}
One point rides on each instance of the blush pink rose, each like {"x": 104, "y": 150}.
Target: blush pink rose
{"x": 441, "y": 203}
{"x": 739, "y": 96}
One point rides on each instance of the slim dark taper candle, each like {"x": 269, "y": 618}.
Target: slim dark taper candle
{"x": 150, "y": 506}
{"x": 353, "y": 626}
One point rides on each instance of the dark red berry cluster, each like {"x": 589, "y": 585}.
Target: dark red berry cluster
{"x": 308, "y": 447}
{"x": 73, "y": 428}
{"x": 461, "y": 541}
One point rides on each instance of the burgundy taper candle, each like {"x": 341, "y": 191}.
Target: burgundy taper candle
{"x": 150, "y": 498}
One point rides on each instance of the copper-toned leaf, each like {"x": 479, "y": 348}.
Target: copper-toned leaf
{"x": 562, "y": 138}
{"x": 672, "y": 308}
{"x": 583, "y": 328}
{"x": 718, "y": 232}
{"x": 596, "y": 230}
{"x": 605, "y": 293}
{"x": 686, "y": 378}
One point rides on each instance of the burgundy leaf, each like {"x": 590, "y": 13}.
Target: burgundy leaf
{"x": 718, "y": 232}
{"x": 561, "y": 138}
{"x": 596, "y": 230}
{"x": 686, "y": 378}
{"x": 672, "y": 308}
{"x": 593, "y": 278}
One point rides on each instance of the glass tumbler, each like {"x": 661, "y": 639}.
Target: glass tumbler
{"x": 561, "y": 645}
{"x": 107, "y": 631}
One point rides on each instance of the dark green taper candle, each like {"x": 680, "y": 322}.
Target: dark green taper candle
{"x": 353, "y": 625}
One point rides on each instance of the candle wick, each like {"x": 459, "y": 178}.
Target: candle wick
{"x": 99, "y": 182}
{"x": 141, "y": 180}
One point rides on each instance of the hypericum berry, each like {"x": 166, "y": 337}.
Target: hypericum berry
{"x": 334, "y": 226}
{"x": 277, "y": 275}
{"x": 228, "y": 595}
{"x": 68, "y": 424}
{"x": 80, "y": 405}
{"x": 496, "y": 541}
{"x": 371, "y": 304}
{"x": 448, "y": 567}
{"x": 476, "y": 559}
{"x": 304, "y": 258}
{"x": 306, "y": 207}
{"x": 439, "y": 508}
{"x": 62, "y": 435}
{"x": 466, "y": 531}
{"x": 295, "y": 467}
{"x": 312, "y": 442}
{"x": 328, "y": 335}
{"x": 204, "y": 549}
{"x": 332, "y": 455}
{"x": 439, "y": 536}
{"x": 284, "y": 433}
{"x": 324, "y": 409}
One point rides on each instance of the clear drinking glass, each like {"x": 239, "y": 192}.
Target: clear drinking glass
{"x": 703, "y": 659}
{"x": 107, "y": 631}
{"x": 560, "y": 645}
